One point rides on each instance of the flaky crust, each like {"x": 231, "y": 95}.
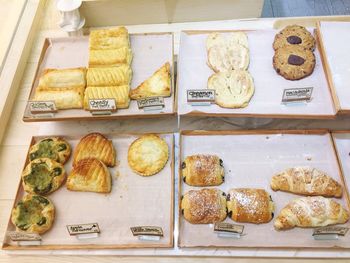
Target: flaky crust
{"x": 148, "y": 155}
{"x": 205, "y": 206}
{"x": 63, "y": 78}
{"x": 107, "y": 39}
{"x": 202, "y": 170}
{"x": 33, "y": 178}
{"x": 110, "y": 58}
{"x": 306, "y": 39}
{"x": 111, "y": 76}
{"x": 315, "y": 211}
{"x": 158, "y": 85}
{"x": 95, "y": 145}
{"x": 306, "y": 181}
{"x": 226, "y": 39}
{"x": 46, "y": 209}
{"x": 248, "y": 205}
{"x": 119, "y": 93}
{"x": 90, "y": 175}
{"x": 54, "y": 148}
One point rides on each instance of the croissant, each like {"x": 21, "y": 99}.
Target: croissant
{"x": 306, "y": 181}
{"x": 313, "y": 211}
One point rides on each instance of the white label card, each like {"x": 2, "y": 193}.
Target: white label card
{"x": 298, "y": 94}
{"x": 21, "y": 236}
{"x": 201, "y": 95}
{"x": 37, "y": 107}
{"x": 329, "y": 230}
{"x": 102, "y": 105}
{"x": 227, "y": 227}
{"x": 83, "y": 229}
{"x": 150, "y": 102}
{"x": 147, "y": 231}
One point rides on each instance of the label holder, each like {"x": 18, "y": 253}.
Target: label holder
{"x": 228, "y": 230}
{"x": 329, "y": 232}
{"x": 42, "y": 109}
{"x": 150, "y": 104}
{"x": 25, "y": 239}
{"x": 147, "y": 233}
{"x": 200, "y": 97}
{"x": 102, "y": 106}
{"x": 84, "y": 231}
{"x": 297, "y": 96}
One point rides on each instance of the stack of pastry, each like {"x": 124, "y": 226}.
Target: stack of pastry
{"x": 109, "y": 73}
{"x": 228, "y": 56}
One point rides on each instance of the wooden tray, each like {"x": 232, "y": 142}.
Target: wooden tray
{"x": 150, "y": 52}
{"x": 193, "y": 73}
{"x": 250, "y": 159}
{"x": 133, "y": 201}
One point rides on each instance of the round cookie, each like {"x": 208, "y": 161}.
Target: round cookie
{"x": 294, "y": 62}
{"x": 54, "y": 148}
{"x": 148, "y": 155}
{"x": 33, "y": 214}
{"x": 43, "y": 176}
{"x": 294, "y": 35}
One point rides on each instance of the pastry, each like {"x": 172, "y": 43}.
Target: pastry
{"x": 159, "y": 84}
{"x": 294, "y": 62}
{"x": 33, "y": 214}
{"x": 109, "y": 39}
{"x": 306, "y": 181}
{"x": 63, "y": 78}
{"x": 205, "y": 206}
{"x": 233, "y": 89}
{"x": 54, "y": 148}
{"x": 95, "y": 145}
{"x": 202, "y": 170}
{"x": 294, "y": 35}
{"x": 112, "y": 76}
{"x": 227, "y": 58}
{"x": 119, "y": 93}
{"x": 248, "y": 205}
{"x": 315, "y": 211}
{"x": 43, "y": 176}
{"x": 110, "y": 57}
{"x": 148, "y": 155}
{"x": 110, "y": 32}
{"x": 90, "y": 175}
{"x": 226, "y": 39}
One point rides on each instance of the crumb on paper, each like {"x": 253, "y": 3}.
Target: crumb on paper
{"x": 116, "y": 175}
{"x": 267, "y": 137}
{"x": 308, "y": 158}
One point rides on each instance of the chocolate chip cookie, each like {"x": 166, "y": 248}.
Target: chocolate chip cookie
{"x": 294, "y": 62}
{"x": 294, "y": 35}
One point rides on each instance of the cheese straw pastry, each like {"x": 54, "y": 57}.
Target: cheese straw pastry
{"x": 112, "y": 76}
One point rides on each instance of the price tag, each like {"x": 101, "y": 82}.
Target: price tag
{"x": 42, "y": 108}
{"x": 152, "y": 233}
{"x": 228, "y": 230}
{"x": 151, "y": 104}
{"x": 24, "y": 239}
{"x": 84, "y": 231}
{"x": 297, "y": 95}
{"x": 329, "y": 232}
{"x": 102, "y": 106}
{"x": 201, "y": 97}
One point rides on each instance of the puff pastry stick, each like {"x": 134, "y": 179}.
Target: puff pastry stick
{"x": 202, "y": 170}
{"x": 250, "y": 205}
{"x": 315, "y": 211}
{"x": 110, "y": 32}
{"x": 119, "y": 93}
{"x": 63, "y": 78}
{"x": 112, "y": 76}
{"x": 159, "y": 84}
{"x": 111, "y": 58}
{"x": 306, "y": 181}
{"x": 109, "y": 39}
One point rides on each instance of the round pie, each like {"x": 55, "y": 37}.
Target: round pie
{"x": 294, "y": 35}
{"x": 148, "y": 155}
{"x": 294, "y": 62}
{"x": 43, "y": 176}
{"x": 54, "y": 148}
{"x": 33, "y": 214}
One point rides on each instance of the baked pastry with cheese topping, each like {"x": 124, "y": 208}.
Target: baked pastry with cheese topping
{"x": 111, "y": 76}
{"x": 148, "y": 155}
{"x": 110, "y": 57}
{"x": 33, "y": 214}
{"x": 249, "y": 205}
{"x": 205, "y": 206}
{"x": 202, "y": 170}
{"x": 90, "y": 175}
{"x": 95, "y": 145}
{"x": 119, "y": 93}
{"x": 158, "y": 85}
{"x": 315, "y": 211}
{"x": 306, "y": 181}
{"x": 43, "y": 176}
{"x": 54, "y": 148}
{"x": 106, "y": 39}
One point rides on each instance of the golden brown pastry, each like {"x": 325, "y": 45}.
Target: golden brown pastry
{"x": 315, "y": 211}
{"x": 112, "y": 76}
{"x": 43, "y": 176}
{"x": 158, "y": 85}
{"x": 110, "y": 57}
{"x": 306, "y": 181}
{"x": 109, "y": 32}
{"x": 148, "y": 155}
{"x": 109, "y": 39}
{"x": 202, "y": 170}
{"x": 249, "y": 205}
{"x": 119, "y": 93}
{"x": 33, "y": 214}
{"x": 54, "y": 148}
{"x": 90, "y": 175}
{"x": 205, "y": 206}
{"x": 63, "y": 78}
{"x": 95, "y": 145}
